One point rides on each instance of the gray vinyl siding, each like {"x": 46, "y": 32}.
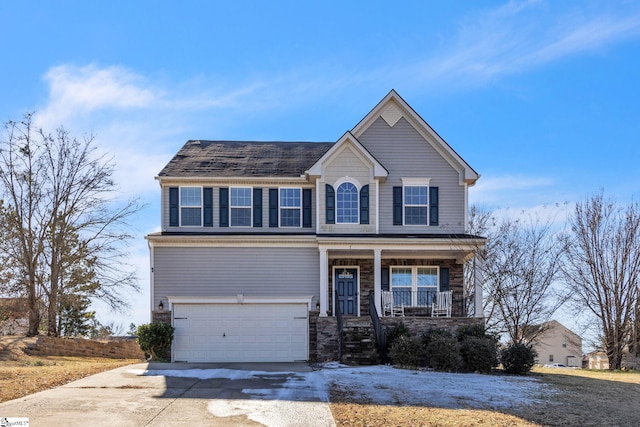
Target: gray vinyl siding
{"x": 228, "y": 271}
{"x": 216, "y": 211}
{"x": 406, "y": 154}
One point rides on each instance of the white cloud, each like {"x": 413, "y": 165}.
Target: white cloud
{"x": 83, "y": 90}
{"x": 519, "y": 36}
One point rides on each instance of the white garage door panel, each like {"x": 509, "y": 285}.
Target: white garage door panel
{"x": 240, "y": 332}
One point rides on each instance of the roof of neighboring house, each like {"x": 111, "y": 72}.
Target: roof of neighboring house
{"x": 244, "y": 159}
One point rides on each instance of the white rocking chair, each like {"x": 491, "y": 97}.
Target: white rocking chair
{"x": 442, "y": 306}
{"x": 389, "y": 308}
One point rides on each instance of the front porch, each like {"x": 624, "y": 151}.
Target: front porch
{"x": 412, "y": 269}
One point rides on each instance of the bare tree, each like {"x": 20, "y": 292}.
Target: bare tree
{"x": 519, "y": 267}
{"x": 481, "y": 222}
{"x": 602, "y": 268}
{"x": 63, "y": 219}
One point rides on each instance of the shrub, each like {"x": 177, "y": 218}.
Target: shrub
{"x": 434, "y": 333}
{"x": 396, "y": 332}
{"x": 518, "y": 359}
{"x": 407, "y": 351}
{"x": 471, "y": 331}
{"x": 479, "y": 354}
{"x": 442, "y": 352}
{"x": 155, "y": 340}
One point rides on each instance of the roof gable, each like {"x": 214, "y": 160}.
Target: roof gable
{"x": 392, "y": 108}
{"x": 379, "y": 171}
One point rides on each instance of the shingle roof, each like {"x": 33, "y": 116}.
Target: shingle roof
{"x": 244, "y": 159}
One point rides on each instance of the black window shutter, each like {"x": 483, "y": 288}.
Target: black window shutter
{"x": 224, "y": 207}
{"x": 397, "y": 205}
{"x": 444, "y": 279}
{"x": 306, "y": 207}
{"x": 273, "y": 207}
{"x": 364, "y": 205}
{"x": 384, "y": 278}
{"x": 257, "y": 207}
{"x": 207, "y": 206}
{"x": 330, "y": 205}
{"x": 174, "y": 207}
{"x": 433, "y": 206}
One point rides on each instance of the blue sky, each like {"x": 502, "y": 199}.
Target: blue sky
{"x": 542, "y": 98}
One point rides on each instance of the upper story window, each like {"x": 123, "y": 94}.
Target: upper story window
{"x": 191, "y": 206}
{"x": 347, "y": 204}
{"x": 240, "y": 206}
{"x": 290, "y": 207}
{"x": 415, "y": 203}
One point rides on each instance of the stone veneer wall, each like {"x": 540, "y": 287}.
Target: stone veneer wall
{"x": 124, "y": 348}
{"x": 326, "y": 339}
{"x": 418, "y": 325}
{"x": 161, "y": 316}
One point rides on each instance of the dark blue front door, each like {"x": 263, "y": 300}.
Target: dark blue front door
{"x": 347, "y": 287}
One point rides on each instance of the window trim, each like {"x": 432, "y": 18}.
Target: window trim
{"x": 415, "y": 182}
{"x": 358, "y": 187}
{"x": 250, "y": 207}
{"x": 180, "y": 207}
{"x": 280, "y": 207}
{"x": 414, "y": 280}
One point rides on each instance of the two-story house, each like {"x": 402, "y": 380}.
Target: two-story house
{"x": 261, "y": 240}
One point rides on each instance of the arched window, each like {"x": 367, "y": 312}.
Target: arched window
{"x": 347, "y": 204}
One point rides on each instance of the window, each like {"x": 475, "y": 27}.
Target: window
{"x": 347, "y": 204}
{"x": 240, "y": 207}
{"x": 427, "y": 285}
{"x": 564, "y": 344}
{"x": 290, "y": 207}
{"x": 415, "y": 205}
{"x": 416, "y": 202}
{"x": 191, "y": 206}
{"x": 414, "y": 286}
{"x": 551, "y": 358}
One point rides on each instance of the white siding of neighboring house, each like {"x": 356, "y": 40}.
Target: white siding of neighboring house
{"x": 551, "y": 341}
{"x": 229, "y": 271}
{"x": 406, "y": 154}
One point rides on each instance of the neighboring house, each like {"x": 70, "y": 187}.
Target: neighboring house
{"x": 598, "y": 360}
{"x": 557, "y": 344}
{"x": 260, "y": 241}
{"x": 14, "y": 316}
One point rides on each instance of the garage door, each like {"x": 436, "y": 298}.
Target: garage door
{"x": 240, "y": 332}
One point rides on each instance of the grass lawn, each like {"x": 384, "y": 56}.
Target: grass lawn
{"x": 21, "y": 374}
{"x": 581, "y": 398}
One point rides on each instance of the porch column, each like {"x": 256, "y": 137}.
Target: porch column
{"x": 377, "y": 279}
{"x": 477, "y": 282}
{"x": 324, "y": 282}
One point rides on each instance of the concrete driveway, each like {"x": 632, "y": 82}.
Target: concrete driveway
{"x": 163, "y": 394}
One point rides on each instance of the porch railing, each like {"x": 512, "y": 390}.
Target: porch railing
{"x": 379, "y": 330}
{"x": 410, "y": 298}
{"x": 340, "y": 327}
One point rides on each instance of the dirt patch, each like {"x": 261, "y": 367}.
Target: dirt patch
{"x": 21, "y": 374}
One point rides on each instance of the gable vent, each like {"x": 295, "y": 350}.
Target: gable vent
{"x": 391, "y": 115}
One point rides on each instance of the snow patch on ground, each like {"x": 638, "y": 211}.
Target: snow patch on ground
{"x": 275, "y": 412}
{"x": 301, "y": 398}
{"x": 388, "y": 385}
